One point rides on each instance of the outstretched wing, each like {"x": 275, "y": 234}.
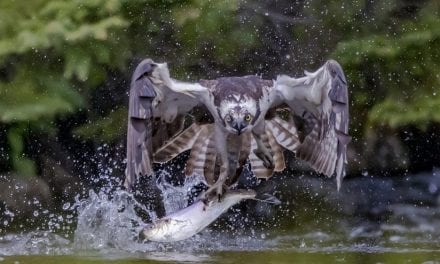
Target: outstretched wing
{"x": 139, "y": 131}
{"x": 319, "y": 102}
{"x": 157, "y": 108}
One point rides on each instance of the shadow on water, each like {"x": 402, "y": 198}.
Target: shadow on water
{"x": 368, "y": 221}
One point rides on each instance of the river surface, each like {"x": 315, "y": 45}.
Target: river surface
{"x": 103, "y": 228}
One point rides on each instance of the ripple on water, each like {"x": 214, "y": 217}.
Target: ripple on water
{"x": 108, "y": 228}
{"x": 34, "y": 243}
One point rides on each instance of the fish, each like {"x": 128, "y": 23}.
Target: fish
{"x": 189, "y": 221}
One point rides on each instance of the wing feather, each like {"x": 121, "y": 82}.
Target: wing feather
{"x": 180, "y": 143}
{"x": 320, "y": 101}
{"x": 285, "y": 133}
{"x": 157, "y": 109}
{"x": 197, "y": 160}
{"x": 139, "y": 131}
{"x": 271, "y": 138}
{"x": 210, "y": 161}
{"x": 278, "y": 156}
{"x": 257, "y": 166}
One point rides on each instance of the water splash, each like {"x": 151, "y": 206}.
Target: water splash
{"x": 176, "y": 197}
{"x": 106, "y": 222}
{"x": 34, "y": 243}
{"x": 107, "y": 226}
{"x": 111, "y": 221}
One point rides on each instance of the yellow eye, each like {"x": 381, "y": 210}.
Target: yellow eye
{"x": 247, "y": 117}
{"x": 228, "y": 118}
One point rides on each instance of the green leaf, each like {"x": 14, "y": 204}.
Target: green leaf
{"x": 34, "y": 97}
{"x": 21, "y": 164}
{"x": 108, "y": 128}
{"x": 394, "y": 77}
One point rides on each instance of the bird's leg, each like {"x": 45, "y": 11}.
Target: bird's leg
{"x": 216, "y": 190}
{"x": 262, "y": 151}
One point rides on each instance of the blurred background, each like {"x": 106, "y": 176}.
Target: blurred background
{"x": 65, "y": 69}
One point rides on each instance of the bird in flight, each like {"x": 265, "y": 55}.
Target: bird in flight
{"x": 231, "y": 121}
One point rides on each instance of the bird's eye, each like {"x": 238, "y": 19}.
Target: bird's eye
{"x": 228, "y": 118}
{"x": 247, "y": 117}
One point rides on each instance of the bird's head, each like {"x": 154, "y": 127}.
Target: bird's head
{"x": 238, "y": 116}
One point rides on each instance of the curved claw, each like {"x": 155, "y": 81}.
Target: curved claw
{"x": 216, "y": 191}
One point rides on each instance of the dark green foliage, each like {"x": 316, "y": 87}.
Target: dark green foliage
{"x": 53, "y": 53}
{"x": 394, "y": 74}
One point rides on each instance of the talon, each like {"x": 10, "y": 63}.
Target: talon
{"x": 214, "y": 192}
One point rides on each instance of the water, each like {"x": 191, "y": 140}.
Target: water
{"x": 106, "y": 227}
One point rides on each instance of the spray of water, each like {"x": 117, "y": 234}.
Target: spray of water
{"x": 105, "y": 222}
{"x": 176, "y": 197}
{"x": 108, "y": 225}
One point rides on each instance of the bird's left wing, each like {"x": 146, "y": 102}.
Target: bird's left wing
{"x": 319, "y": 102}
{"x": 157, "y": 107}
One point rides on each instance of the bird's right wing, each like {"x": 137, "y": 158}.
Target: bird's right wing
{"x": 157, "y": 108}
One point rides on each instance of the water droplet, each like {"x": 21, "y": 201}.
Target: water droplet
{"x": 36, "y": 213}
{"x": 66, "y": 206}
{"x": 9, "y": 213}
{"x": 432, "y": 188}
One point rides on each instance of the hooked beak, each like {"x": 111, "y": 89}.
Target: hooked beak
{"x": 239, "y": 127}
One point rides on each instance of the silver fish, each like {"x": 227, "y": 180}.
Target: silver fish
{"x": 189, "y": 221}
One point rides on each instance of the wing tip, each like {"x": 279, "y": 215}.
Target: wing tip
{"x": 336, "y": 70}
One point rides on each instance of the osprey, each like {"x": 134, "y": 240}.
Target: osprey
{"x": 236, "y": 120}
